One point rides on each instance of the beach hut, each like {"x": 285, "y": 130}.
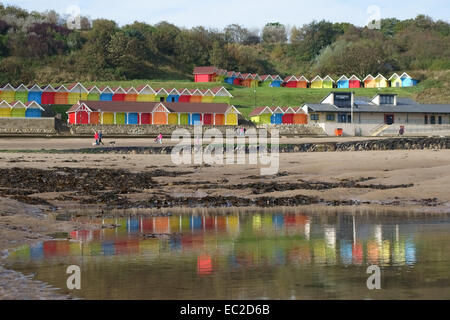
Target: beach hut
{"x": 317, "y": 82}
{"x": 185, "y": 96}
{"x": 354, "y": 82}
{"x": 77, "y": 92}
{"x": 21, "y": 93}
{"x": 407, "y": 81}
{"x": 221, "y": 95}
{"x": 381, "y": 81}
{"x": 5, "y": 109}
{"x": 196, "y": 96}
{"x": 256, "y": 80}
{"x": 131, "y": 94}
{"x": 300, "y": 116}
{"x": 261, "y": 115}
{"x": 205, "y": 74}
{"x": 119, "y": 94}
{"x": 106, "y": 93}
{"x": 161, "y": 95}
{"x": 33, "y": 110}
{"x": 146, "y": 93}
{"x": 238, "y": 80}
{"x": 160, "y": 114}
{"x": 173, "y": 95}
{"x": 48, "y": 95}
{"x": 302, "y": 82}
{"x": 35, "y": 93}
{"x": 288, "y": 115}
{"x": 266, "y": 80}
{"x": 7, "y": 93}
{"x": 343, "y": 82}
{"x": 207, "y": 96}
{"x": 276, "y": 82}
{"x": 327, "y": 82}
{"x": 247, "y": 80}
{"x": 395, "y": 80}
{"x": 93, "y": 93}
{"x": 61, "y": 95}
{"x": 369, "y": 82}
{"x": 230, "y": 77}
{"x": 221, "y": 75}
{"x": 290, "y": 82}
{"x": 277, "y": 115}
{"x": 18, "y": 109}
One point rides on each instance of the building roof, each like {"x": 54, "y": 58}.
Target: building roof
{"x": 205, "y": 70}
{"x": 364, "y": 104}
{"x": 132, "y": 106}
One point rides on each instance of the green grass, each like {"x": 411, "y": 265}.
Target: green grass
{"x": 244, "y": 98}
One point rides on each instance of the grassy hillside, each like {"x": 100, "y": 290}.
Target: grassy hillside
{"x": 432, "y": 90}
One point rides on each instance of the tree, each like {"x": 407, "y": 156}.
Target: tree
{"x": 274, "y": 33}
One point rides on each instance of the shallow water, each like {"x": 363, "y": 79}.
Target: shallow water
{"x": 250, "y": 256}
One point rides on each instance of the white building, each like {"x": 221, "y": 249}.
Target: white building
{"x": 365, "y": 116}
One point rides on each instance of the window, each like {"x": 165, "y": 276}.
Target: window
{"x": 161, "y": 99}
{"x": 330, "y": 117}
{"x": 386, "y": 99}
{"x": 426, "y": 119}
{"x": 314, "y": 116}
{"x": 433, "y": 120}
{"x": 343, "y": 100}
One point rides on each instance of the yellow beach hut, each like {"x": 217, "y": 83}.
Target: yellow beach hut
{"x": 77, "y": 92}
{"x": 231, "y": 116}
{"x": 7, "y": 93}
{"x": 5, "y": 109}
{"x": 146, "y": 94}
{"x": 381, "y": 81}
{"x": 317, "y": 82}
{"x": 396, "y": 81}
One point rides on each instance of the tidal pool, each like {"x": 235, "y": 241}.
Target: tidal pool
{"x": 250, "y": 256}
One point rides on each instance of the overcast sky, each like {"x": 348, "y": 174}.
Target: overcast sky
{"x": 250, "y": 13}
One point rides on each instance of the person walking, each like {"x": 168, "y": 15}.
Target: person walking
{"x": 100, "y": 137}
{"x": 96, "y": 138}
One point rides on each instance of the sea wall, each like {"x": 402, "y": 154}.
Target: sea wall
{"x": 367, "y": 145}
{"x": 27, "y": 126}
{"x": 166, "y": 130}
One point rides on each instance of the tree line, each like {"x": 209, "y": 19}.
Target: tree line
{"x": 40, "y": 47}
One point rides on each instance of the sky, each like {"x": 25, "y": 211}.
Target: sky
{"x": 249, "y": 13}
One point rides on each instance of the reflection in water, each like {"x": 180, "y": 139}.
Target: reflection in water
{"x": 244, "y": 256}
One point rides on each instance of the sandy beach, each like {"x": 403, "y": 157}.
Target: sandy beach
{"x": 35, "y": 187}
